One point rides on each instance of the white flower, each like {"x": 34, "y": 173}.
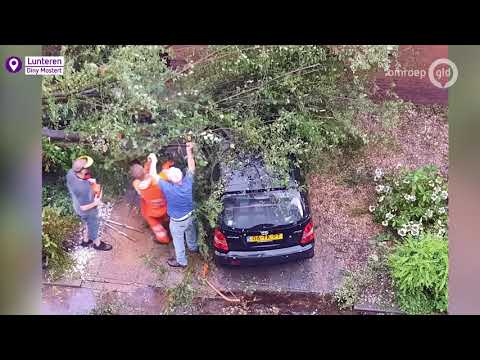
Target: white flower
{"x": 414, "y": 232}
{"x": 431, "y": 183}
{"x": 221, "y": 116}
{"x": 429, "y": 213}
{"x": 385, "y": 222}
{"x": 379, "y": 188}
{"x": 444, "y": 195}
{"x": 389, "y": 216}
{"x": 371, "y": 208}
{"x": 387, "y": 189}
{"x": 434, "y": 197}
{"x": 402, "y": 232}
{"x": 413, "y": 198}
{"x": 376, "y": 178}
{"x": 381, "y": 198}
{"x": 438, "y": 180}
{"x": 232, "y": 146}
{"x": 442, "y": 210}
{"x": 378, "y": 172}
{"x": 415, "y": 227}
{"x": 406, "y": 197}
{"x": 406, "y": 181}
{"x": 437, "y": 189}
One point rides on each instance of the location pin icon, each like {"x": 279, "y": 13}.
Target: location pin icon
{"x": 13, "y": 64}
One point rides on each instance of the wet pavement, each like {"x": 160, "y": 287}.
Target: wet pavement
{"x": 136, "y": 271}
{"x": 317, "y": 275}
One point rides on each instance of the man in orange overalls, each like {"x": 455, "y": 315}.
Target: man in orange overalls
{"x": 153, "y": 205}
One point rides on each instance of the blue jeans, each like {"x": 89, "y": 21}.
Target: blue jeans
{"x": 91, "y": 220}
{"x": 183, "y": 231}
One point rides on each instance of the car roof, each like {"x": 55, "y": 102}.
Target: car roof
{"x": 251, "y": 175}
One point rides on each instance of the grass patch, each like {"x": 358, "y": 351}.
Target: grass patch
{"x": 180, "y": 297}
{"x": 358, "y": 211}
{"x": 356, "y": 177}
{"x": 107, "y": 305}
{"x": 382, "y": 237}
{"x": 158, "y": 269}
{"x": 355, "y": 282}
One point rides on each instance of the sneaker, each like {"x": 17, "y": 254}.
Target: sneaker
{"x": 103, "y": 246}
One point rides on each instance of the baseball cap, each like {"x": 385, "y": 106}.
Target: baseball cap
{"x": 174, "y": 174}
{"x": 88, "y": 160}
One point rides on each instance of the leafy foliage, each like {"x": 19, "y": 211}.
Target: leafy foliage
{"x": 57, "y": 196}
{"x": 281, "y": 102}
{"x": 57, "y": 159}
{"x": 181, "y": 296}
{"x": 412, "y": 202}
{"x": 55, "y": 228}
{"x": 419, "y": 268}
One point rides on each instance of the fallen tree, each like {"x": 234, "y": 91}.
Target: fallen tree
{"x": 281, "y": 102}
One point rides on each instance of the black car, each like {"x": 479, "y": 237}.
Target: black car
{"x": 265, "y": 220}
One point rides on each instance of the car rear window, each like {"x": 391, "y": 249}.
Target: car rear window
{"x": 270, "y": 208}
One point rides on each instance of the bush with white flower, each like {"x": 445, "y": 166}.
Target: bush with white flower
{"x": 412, "y": 202}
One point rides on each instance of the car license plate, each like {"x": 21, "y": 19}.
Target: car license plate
{"x": 265, "y": 238}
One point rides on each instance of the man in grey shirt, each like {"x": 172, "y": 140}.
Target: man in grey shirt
{"x": 85, "y": 203}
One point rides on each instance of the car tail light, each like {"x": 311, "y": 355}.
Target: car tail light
{"x": 308, "y": 234}
{"x": 219, "y": 241}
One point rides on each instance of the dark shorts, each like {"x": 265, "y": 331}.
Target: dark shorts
{"x": 91, "y": 221}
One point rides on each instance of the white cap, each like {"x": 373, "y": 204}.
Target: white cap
{"x": 174, "y": 174}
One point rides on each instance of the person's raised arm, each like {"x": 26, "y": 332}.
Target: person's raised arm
{"x": 190, "y": 159}
{"x": 153, "y": 167}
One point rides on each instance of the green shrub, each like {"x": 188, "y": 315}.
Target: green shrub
{"x": 412, "y": 202}
{"x": 57, "y": 196}
{"x": 55, "y": 228}
{"x": 348, "y": 293}
{"x": 419, "y": 269}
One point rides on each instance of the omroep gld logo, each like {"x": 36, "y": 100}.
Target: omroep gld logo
{"x": 447, "y": 74}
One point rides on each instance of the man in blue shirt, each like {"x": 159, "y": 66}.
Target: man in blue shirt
{"x": 179, "y": 195}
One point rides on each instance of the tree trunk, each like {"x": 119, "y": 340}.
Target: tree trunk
{"x": 61, "y": 135}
